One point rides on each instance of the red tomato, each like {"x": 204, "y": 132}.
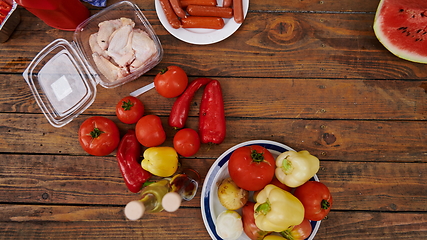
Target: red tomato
{"x": 129, "y": 110}
{"x": 149, "y": 131}
{"x": 249, "y": 226}
{"x": 171, "y": 82}
{"x": 316, "y": 198}
{"x": 279, "y": 184}
{"x": 251, "y": 167}
{"x": 99, "y": 136}
{"x": 298, "y": 232}
{"x": 186, "y": 142}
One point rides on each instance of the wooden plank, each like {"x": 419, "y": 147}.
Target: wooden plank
{"x": 291, "y": 44}
{"x": 345, "y": 140}
{"x": 283, "y": 98}
{"x": 69, "y": 222}
{"x": 53, "y": 179}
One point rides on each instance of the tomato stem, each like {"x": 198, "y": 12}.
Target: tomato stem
{"x": 325, "y": 204}
{"x": 127, "y": 105}
{"x": 257, "y": 157}
{"x": 96, "y": 133}
{"x": 164, "y": 70}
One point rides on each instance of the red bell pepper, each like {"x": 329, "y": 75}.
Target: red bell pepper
{"x": 212, "y": 116}
{"x": 181, "y": 107}
{"x": 128, "y": 155}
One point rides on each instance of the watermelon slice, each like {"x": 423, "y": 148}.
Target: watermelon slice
{"x": 401, "y": 26}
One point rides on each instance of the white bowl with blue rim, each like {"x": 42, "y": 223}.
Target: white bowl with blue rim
{"x": 211, "y": 207}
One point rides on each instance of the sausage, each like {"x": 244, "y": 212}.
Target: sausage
{"x": 227, "y": 3}
{"x": 238, "y": 11}
{"x": 176, "y": 6}
{"x": 185, "y": 3}
{"x": 210, "y": 11}
{"x": 202, "y": 22}
{"x": 170, "y": 14}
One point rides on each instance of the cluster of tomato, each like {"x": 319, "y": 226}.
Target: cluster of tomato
{"x": 100, "y": 136}
{"x": 5, "y": 8}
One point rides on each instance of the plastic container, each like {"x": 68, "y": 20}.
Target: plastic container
{"x": 63, "y": 77}
{"x": 61, "y": 14}
{"x": 10, "y": 22}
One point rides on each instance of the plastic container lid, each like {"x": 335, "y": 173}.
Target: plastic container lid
{"x": 63, "y": 76}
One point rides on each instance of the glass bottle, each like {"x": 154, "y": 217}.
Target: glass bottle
{"x": 182, "y": 186}
{"x": 151, "y": 200}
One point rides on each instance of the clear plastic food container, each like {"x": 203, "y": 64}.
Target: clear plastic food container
{"x": 63, "y": 76}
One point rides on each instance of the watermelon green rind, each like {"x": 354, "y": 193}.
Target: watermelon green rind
{"x": 401, "y": 26}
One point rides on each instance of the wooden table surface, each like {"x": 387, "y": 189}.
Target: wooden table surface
{"x": 306, "y": 73}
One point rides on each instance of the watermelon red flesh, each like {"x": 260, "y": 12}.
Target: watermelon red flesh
{"x": 401, "y": 26}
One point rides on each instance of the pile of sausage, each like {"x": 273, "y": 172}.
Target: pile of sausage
{"x": 201, "y": 13}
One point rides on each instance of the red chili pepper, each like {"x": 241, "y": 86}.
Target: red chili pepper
{"x": 181, "y": 107}
{"x": 128, "y": 155}
{"x": 212, "y": 117}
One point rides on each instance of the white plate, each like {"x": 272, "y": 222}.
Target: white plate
{"x": 201, "y": 36}
{"x": 211, "y": 207}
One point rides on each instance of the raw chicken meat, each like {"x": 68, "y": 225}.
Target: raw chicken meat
{"x": 108, "y": 69}
{"x": 120, "y": 47}
{"x": 94, "y": 46}
{"x": 106, "y": 28}
{"x": 144, "y": 48}
{"x": 119, "y": 50}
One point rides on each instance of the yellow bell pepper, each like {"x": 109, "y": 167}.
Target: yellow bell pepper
{"x": 295, "y": 168}
{"x": 276, "y": 209}
{"x": 273, "y": 237}
{"x": 160, "y": 161}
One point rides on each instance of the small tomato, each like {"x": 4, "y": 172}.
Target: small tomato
{"x": 99, "y": 136}
{"x": 298, "y": 232}
{"x": 316, "y": 198}
{"x": 129, "y": 110}
{"x": 149, "y": 131}
{"x": 171, "y": 82}
{"x": 186, "y": 142}
{"x": 251, "y": 167}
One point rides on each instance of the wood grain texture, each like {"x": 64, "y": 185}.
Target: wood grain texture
{"x": 307, "y": 73}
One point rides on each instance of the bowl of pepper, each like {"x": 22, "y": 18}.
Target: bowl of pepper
{"x": 210, "y": 204}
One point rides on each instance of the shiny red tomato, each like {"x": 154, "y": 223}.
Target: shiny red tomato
{"x": 298, "y": 232}
{"x": 251, "y": 167}
{"x": 316, "y": 198}
{"x": 186, "y": 142}
{"x": 129, "y": 110}
{"x": 99, "y": 136}
{"x": 149, "y": 131}
{"x": 279, "y": 184}
{"x": 171, "y": 82}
